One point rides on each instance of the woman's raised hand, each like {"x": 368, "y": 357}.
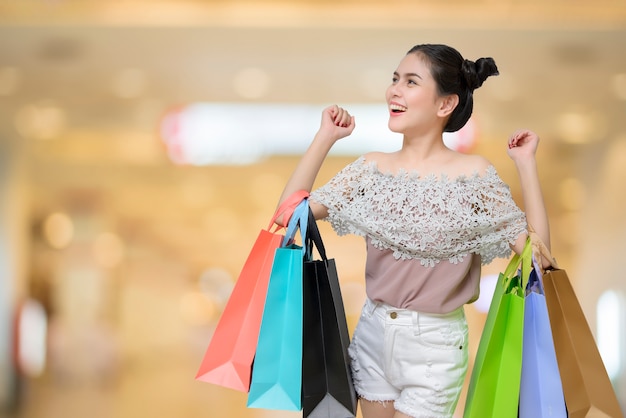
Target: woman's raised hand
{"x": 522, "y": 144}
{"x": 336, "y": 123}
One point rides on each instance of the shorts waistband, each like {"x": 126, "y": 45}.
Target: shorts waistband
{"x": 410, "y": 317}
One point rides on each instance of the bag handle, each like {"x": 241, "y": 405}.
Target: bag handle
{"x": 525, "y": 261}
{"x": 314, "y": 237}
{"x": 299, "y": 220}
{"x": 536, "y": 284}
{"x": 288, "y": 207}
{"x": 540, "y": 248}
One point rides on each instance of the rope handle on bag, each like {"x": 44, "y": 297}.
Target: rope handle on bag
{"x": 314, "y": 238}
{"x": 287, "y": 207}
{"x": 299, "y": 220}
{"x": 523, "y": 260}
{"x": 540, "y": 248}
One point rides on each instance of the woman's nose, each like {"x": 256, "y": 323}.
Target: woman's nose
{"x": 393, "y": 90}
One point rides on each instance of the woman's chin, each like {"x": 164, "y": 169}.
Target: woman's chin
{"x": 394, "y": 128}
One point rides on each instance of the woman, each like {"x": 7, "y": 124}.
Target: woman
{"x": 430, "y": 217}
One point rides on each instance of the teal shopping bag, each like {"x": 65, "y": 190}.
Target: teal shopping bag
{"x": 277, "y": 369}
{"x": 495, "y": 381}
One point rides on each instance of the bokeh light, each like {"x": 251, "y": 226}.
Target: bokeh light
{"x": 58, "y": 230}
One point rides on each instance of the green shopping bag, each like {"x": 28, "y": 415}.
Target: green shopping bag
{"x": 495, "y": 381}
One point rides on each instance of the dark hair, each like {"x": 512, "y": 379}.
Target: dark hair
{"x": 456, "y": 75}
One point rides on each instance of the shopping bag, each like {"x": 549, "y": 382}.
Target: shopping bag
{"x": 228, "y": 359}
{"x": 277, "y": 370}
{"x": 586, "y": 384}
{"x": 541, "y": 391}
{"x": 493, "y": 390}
{"x": 327, "y": 387}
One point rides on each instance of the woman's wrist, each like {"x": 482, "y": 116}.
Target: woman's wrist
{"x": 323, "y": 141}
{"x": 526, "y": 165}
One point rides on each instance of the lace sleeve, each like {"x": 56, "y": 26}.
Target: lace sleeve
{"x": 503, "y": 220}
{"x": 430, "y": 219}
{"x": 338, "y": 194}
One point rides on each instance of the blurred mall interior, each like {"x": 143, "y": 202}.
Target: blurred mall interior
{"x": 144, "y": 144}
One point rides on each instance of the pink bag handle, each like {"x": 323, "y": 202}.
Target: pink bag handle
{"x": 288, "y": 206}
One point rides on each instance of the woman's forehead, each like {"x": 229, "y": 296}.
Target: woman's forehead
{"x": 414, "y": 63}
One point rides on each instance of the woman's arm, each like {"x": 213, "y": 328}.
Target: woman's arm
{"x": 522, "y": 149}
{"x": 336, "y": 124}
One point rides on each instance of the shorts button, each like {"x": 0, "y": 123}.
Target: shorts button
{"x": 393, "y": 315}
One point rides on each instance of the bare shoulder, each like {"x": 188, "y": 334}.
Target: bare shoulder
{"x": 451, "y": 164}
{"x": 376, "y": 156}
{"x": 383, "y": 161}
{"x": 469, "y": 164}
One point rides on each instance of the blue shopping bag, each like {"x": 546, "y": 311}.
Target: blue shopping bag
{"x": 277, "y": 369}
{"x": 541, "y": 391}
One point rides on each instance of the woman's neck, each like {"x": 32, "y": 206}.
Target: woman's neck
{"x": 422, "y": 148}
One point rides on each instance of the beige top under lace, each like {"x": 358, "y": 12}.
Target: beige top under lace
{"x": 426, "y": 222}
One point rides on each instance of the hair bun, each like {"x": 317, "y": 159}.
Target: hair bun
{"x": 475, "y": 73}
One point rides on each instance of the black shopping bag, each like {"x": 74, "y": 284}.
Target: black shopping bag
{"x": 327, "y": 387}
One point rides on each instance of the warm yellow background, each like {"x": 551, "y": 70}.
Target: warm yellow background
{"x": 134, "y": 295}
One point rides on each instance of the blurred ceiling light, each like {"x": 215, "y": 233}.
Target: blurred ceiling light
{"x": 32, "y": 335}
{"x": 572, "y": 194}
{"x": 581, "y": 128}
{"x": 610, "y": 315}
{"x": 44, "y": 120}
{"x": 251, "y": 83}
{"x": 231, "y": 133}
{"x": 58, "y": 230}
{"x": 129, "y": 83}
{"x": 9, "y": 80}
{"x": 618, "y": 83}
{"x": 108, "y": 250}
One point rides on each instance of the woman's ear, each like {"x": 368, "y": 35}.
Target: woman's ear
{"x": 448, "y": 104}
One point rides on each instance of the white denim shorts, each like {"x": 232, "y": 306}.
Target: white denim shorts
{"x": 417, "y": 360}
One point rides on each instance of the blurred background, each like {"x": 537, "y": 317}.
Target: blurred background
{"x": 144, "y": 144}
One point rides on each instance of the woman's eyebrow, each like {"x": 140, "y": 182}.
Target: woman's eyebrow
{"x": 408, "y": 75}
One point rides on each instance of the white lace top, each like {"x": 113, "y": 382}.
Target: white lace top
{"x": 429, "y": 219}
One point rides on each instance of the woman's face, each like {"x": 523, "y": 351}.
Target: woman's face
{"x": 412, "y": 97}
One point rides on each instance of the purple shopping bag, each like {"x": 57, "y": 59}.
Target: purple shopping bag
{"x": 541, "y": 391}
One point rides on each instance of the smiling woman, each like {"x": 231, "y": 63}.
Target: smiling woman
{"x": 430, "y": 217}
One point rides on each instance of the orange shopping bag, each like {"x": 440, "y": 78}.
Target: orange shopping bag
{"x": 228, "y": 359}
